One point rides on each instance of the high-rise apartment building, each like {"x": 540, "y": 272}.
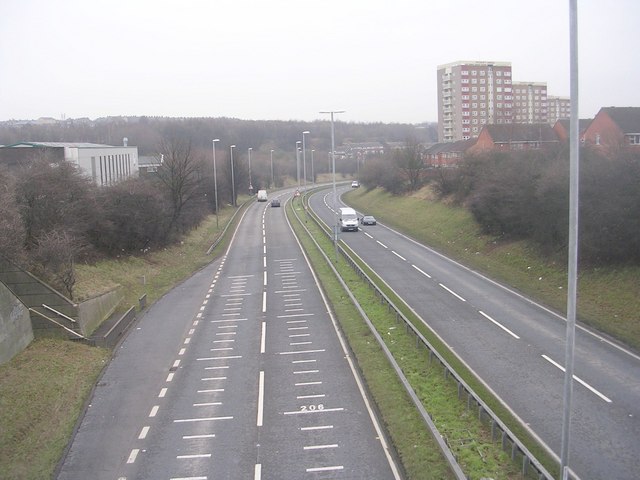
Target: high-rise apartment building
{"x": 530, "y": 102}
{"x": 558, "y": 108}
{"x": 470, "y": 95}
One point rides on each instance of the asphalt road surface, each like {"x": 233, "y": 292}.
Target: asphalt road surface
{"x": 237, "y": 373}
{"x": 517, "y": 348}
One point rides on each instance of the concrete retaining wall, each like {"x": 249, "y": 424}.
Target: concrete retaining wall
{"x": 15, "y": 325}
{"x": 92, "y": 312}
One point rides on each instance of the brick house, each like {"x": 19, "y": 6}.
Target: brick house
{"x": 447, "y": 154}
{"x": 561, "y": 127}
{"x": 516, "y": 136}
{"x": 614, "y": 127}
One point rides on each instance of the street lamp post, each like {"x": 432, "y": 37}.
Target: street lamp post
{"x": 215, "y": 178}
{"x": 250, "y": 184}
{"x": 572, "y": 267}
{"x": 313, "y": 177}
{"x": 273, "y": 184}
{"x": 304, "y": 160}
{"x": 333, "y": 165}
{"x": 233, "y": 182}
{"x": 298, "y": 162}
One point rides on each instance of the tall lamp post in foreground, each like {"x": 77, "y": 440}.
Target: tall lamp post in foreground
{"x": 233, "y": 182}
{"x": 273, "y": 184}
{"x": 333, "y": 167}
{"x": 572, "y": 267}
{"x": 215, "y": 178}
{"x": 298, "y": 162}
{"x": 250, "y": 184}
{"x": 304, "y": 159}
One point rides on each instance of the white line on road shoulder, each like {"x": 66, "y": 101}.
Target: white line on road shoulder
{"x": 421, "y": 271}
{"x": 452, "y": 292}
{"x": 579, "y": 380}
{"x": 260, "y": 398}
{"x": 398, "y": 255}
{"x": 133, "y": 455}
{"x": 499, "y": 325}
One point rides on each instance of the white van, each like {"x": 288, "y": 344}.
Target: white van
{"x": 348, "y": 219}
{"x": 262, "y": 195}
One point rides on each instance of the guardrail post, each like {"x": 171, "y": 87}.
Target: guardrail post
{"x": 525, "y": 465}
{"x": 514, "y": 450}
{"x": 493, "y": 430}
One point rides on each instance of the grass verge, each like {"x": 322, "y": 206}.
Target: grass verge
{"x": 155, "y": 273}
{"x": 42, "y": 392}
{"x": 469, "y": 439}
{"x": 608, "y": 297}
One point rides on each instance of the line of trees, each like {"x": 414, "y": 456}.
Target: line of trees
{"x": 525, "y": 195}
{"x": 52, "y": 216}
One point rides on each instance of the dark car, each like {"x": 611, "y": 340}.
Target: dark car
{"x": 368, "y": 220}
{"x": 275, "y": 202}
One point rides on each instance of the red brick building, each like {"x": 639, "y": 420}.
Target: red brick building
{"x": 561, "y": 127}
{"x": 447, "y": 154}
{"x": 614, "y": 127}
{"x": 516, "y": 137}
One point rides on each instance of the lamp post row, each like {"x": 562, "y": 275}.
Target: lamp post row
{"x": 304, "y": 168}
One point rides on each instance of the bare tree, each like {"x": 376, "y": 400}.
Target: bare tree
{"x": 54, "y": 257}
{"x": 12, "y": 234}
{"x": 53, "y": 195}
{"x": 409, "y": 162}
{"x": 181, "y": 174}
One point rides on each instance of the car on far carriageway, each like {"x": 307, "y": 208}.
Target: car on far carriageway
{"x": 355, "y": 184}
{"x": 275, "y": 202}
{"x": 368, "y": 220}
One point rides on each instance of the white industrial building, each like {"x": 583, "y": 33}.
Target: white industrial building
{"x": 105, "y": 164}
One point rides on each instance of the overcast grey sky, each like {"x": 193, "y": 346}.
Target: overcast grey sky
{"x": 290, "y": 59}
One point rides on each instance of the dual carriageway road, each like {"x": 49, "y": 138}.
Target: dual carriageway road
{"x": 516, "y": 347}
{"x": 239, "y": 372}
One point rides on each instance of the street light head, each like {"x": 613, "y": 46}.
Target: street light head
{"x": 250, "y": 148}
{"x": 335, "y": 111}
{"x": 272, "y": 151}
{"x": 306, "y": 132}
{"x": 232, "y": 146}
{"x": 216, "y": 139}
{"x": 298, "y": 142}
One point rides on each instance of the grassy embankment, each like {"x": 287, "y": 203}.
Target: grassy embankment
{"x": 43, "y": 389}
{"x": 608, "y": 297}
